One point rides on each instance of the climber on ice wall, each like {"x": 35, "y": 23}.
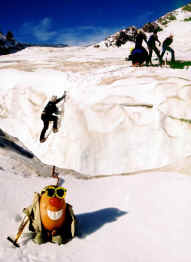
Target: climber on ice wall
{"x": 50, "y": 113}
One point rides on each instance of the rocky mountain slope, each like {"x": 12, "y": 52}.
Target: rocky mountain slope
{"x": 8, "y": 44}
{"x": 181, "y": 15}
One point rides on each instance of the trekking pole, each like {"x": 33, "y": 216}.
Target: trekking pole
{"x": 55, "y": 175}
{"x": 20, "y": 231}
{"x": 66, "y": 93}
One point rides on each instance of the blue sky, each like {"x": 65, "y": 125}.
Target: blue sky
{"x": 77, "y": 22}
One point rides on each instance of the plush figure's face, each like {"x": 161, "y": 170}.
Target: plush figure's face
{"x": 52, "y": 208}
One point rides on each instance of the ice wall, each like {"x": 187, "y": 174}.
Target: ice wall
{"x": 125, "y": 123}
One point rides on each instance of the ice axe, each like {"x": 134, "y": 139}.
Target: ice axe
{"x": 20, "y": 231}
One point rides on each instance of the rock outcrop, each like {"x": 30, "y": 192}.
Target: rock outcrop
{"x": 151, "y": 27}
{"x": 121, "y": 37}
{"x": 8, "y": 44}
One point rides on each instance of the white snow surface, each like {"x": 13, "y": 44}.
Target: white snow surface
{"x": 143, "y": 217}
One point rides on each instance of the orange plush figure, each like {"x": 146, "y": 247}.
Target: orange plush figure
{"x": 50, "y": 217}
{"x": 53, "y": 208}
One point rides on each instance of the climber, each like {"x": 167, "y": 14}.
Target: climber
{"x": 152, "y": 47}
{"x": 49, "y": 114}
{"x": 139, "y": 54}
{"x": 140, "y": 36}
{"x": 50, "y": 217}
{"x": 166, "y": 47}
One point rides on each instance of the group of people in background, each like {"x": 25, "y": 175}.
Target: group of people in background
{"x": 139, "y": 53}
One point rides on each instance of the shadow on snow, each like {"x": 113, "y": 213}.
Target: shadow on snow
{"x": 88, "y": 223}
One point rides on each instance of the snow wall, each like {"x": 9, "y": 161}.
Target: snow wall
{"x": 134, "y": 122}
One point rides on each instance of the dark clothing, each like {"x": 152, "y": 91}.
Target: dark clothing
{"x": 47, "y": 116}
{"x": 46, "y": 119}
{"x": 153, "y": 38}
{"x": 157, "y": 52}
{"x": 166, "y": 47}
{"x": 152, "y": 47}
{"x": 168, "y": 41}
{"x": 139, "y": 40}
{"x": 51, "y": 107}
{"x": 139, "y": 55}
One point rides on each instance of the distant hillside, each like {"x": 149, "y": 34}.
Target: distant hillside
{"x": 181, "y": 14}
{"x": 47, "y": 45}
{"x": 180, "y": 17}
{"x": 9, "y": 45}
